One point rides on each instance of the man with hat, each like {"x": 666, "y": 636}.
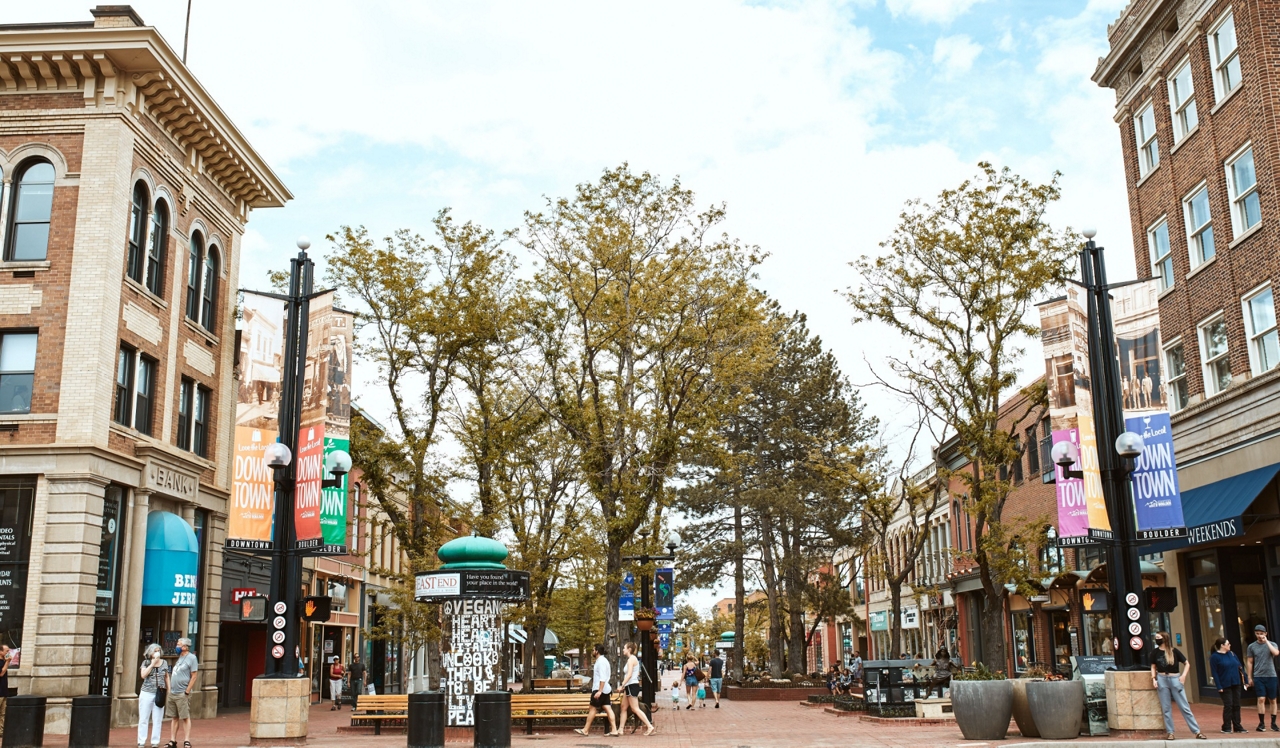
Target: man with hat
{"x": 1261, "y": 669}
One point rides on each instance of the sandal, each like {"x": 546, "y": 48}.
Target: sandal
{"x": 186, "y": 744}
{"x": 580, "y": 731}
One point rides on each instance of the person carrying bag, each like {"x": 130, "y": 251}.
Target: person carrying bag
{"x": 152, "y": 696}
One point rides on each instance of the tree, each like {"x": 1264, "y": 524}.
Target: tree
{"x": 957, "y": 283}
{"x": 647, "y": 316}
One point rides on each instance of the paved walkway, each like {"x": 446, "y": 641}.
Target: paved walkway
{"x": 741, "y": 724}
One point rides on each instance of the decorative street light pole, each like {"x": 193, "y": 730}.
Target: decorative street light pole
{"x": 648, "y": 654}
{"x": 1129, "y": 619}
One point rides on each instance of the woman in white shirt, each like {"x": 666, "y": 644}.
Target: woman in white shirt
{"x": 631, "y": 691}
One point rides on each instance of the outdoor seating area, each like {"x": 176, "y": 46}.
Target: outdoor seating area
{"x": 378, "y": 710}
{"x": 546, "y": 706}
{"x": 553, "y": 684}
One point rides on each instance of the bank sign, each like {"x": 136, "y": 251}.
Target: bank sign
{"x": 1157, "y": 502}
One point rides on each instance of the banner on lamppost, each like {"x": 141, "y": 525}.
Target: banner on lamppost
{"x": 326, "y": 417}
{"x": 627, "y": 598}
{"x": 251, "y": 511}
{"x": 664, "y": 593}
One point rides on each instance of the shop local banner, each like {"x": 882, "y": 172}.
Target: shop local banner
{"x": 1157, "y": 502}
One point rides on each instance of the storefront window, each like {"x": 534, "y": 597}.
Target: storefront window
{"x": 1023, "y": 646}
{"x": 109, "y": 551}
{"x": 1209, "y": 611}
{"x": 1251, "y": 609}
{"x": 16, "y": 497}
{"x": 193, "y": 613}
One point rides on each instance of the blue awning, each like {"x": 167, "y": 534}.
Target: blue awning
{"x": 1215, "y": 511}
{"x": 172, "y": 562}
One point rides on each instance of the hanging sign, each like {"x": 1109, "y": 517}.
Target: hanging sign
{"x": 306, "y": 497}
{"x": 627, "y": 598}
{"x": 1156, "y": 499}
{"x": 326, "y": 404}
{"x": 664, "y": 593}
{"x": 251, "y": 510}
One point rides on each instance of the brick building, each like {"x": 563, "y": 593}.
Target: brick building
{"x": 1196, "y": 103}
{"x": 125, "y": 195}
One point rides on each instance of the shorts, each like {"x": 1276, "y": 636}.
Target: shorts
{"x": 599, "y": 701}
{"x": 702, "y": 693}
{"x": 690, "y": 681}
{"x": 178, "y": 705}
{"x": 1266, "y": 687}
{"x": 715, "y": 684}
{"x": 632, "y": 689}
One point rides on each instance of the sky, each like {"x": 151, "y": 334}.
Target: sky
{"x": 814, "y": 121}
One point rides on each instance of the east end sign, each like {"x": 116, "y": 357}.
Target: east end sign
{"x": 506, "y": 584}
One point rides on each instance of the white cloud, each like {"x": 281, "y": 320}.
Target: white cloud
{"x": 955, "y": 54}
{"x": 934, "y": 11}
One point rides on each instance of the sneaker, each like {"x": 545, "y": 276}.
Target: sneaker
{"x": 717, "y": 705}
{"x": 1240, "y": 729}
{"x": 1226, "y": 730}
{"x": 1274, "y": 727}
{"x": 1262, "y": 727}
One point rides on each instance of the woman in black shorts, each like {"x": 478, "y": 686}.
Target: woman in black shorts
{"x": 631, "y": 690}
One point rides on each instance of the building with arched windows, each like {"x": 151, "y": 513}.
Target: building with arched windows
{"x": 125, "y": 193}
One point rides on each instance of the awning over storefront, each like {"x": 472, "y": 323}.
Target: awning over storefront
{"x": 1215, "y": 511}
{"x": 171, "y": 563}
{"x": 517, "y": 635}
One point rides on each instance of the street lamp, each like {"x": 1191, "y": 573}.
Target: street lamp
{"x": 649, "y": 655}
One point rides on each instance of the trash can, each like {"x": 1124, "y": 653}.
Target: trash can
{"x": 493, "y": 719}
{"x": 24, "y": 722}
{"x": 426, "y": 719}
{"x": 90, "y": 722}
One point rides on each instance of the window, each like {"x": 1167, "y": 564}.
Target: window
{"x": 195, "y": 259}
{"x": 157, "y": 247}
{"x": 1017, "y": 463}
{"x": 185, "y": 395}
{"x": 1260, "y": 318}
{"x": 1213, "y": 352}
{"x": 124, "y": 385}
{"x": 1225, "y": 57}
{"x": 1182, "y": 102}
{"x": 200, "y": 429}
{"x": 17, "y": 371}
{"x": 144, "y": 394}
{"x": 1161, "y": 257}
{"x": 1033, "y": 451}
{"x": 137, "y": 232}
{"x": 1242, "y": 183}
{"x": 1175, "y": 366}
{"x": 210, "y": 297}
{"x": 32, "y": 208}
{"x": 1050, "y": 560}
{"x": 1144, "y": 132}
{"x": 1195, "y": 209}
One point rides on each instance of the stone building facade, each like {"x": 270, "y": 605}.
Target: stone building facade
{"x": 1196, "y": 105}
{"x": 125, "y": 195}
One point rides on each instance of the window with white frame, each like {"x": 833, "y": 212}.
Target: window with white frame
{"x": 1161, "y": 256}
{"x": 1195, "y": 209}
{"x": 1242, "y": 186}
{"x": 1225, "y": 56}
{"x": 1182, "y": 101}
{"x": 1213, "y": 354}
{"x": 17, "y": 371}
{"x": 1175, "y": 376}
{"x": 1144, "y": 132}
{"x": 1260, "y": 318}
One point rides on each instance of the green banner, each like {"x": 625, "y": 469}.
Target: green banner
{"x": 333, "y": 505}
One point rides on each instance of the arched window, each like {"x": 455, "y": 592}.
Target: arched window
{"x": 209, "y": 306}
{"x": 137, "y": 231}
{"x": 194, "y": 261}
{"x": 31, "y": 210}
{"x": 157, "y": 247}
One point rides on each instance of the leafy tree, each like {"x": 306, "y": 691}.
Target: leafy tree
{"x": 957, "y": 283}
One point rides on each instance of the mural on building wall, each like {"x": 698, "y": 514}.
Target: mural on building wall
{"x": 471, "y": 648}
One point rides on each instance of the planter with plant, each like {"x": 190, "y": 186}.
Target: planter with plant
{"x": 645, "y": 618}
{"x": 1021, "y": 711}
{"x": 1056, "y": 707}
{"x": 982, "y": 701}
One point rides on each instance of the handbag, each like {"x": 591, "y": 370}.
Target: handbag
{"x": 162, "y": 694}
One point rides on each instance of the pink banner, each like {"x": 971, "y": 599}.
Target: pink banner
{"x": 1073, "y": 509}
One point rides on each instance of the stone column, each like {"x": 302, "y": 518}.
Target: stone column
{"x": 204, "y": 703}
{"x": 68, "y": 587}
{"x": 1132, "y": 702}
{"x": 133, "y": 561}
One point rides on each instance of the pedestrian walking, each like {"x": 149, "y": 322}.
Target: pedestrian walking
{"x": 600, "y": 690}
{"x": 336, "y": 674}
{"x": 1227, "y": 672}
{"x": 182, "y": 681}
{"x": 1169, "y": 669}
{"x": 717, "y": 677}
{"x": 152, "y": 695}
{"x": 356, "y": 673}
{"x": 689, "y": 673}
{"x": 675, "y": 694}
{"x": 631, "y": 691}
{"x": 857, "y": 666}
{"x": 1261, "y": 669}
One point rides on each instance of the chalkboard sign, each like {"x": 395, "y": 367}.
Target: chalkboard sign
{"x": 1096, "y": 665}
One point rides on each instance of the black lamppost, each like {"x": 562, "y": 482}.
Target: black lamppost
{"x": 649, "y": 655}
{"x": 1129, "y": 617}
{"x": 285, "y": 600}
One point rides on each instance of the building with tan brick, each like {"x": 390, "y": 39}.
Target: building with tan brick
{"x": 126, "y": 191}
{"x": 1196, "y": 104}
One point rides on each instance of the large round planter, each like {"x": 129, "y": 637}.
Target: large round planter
{"x": 1021, "y": 711}
{"x": 982, "y": 708}
{"x": 1056, "y": 707}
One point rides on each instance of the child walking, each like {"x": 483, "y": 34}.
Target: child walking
{"x": 675, "y": 695}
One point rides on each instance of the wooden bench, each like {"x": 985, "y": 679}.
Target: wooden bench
{"x": 553, "y": 684}
{"x": 380, "y": 708}
{"x": 934, "y": 709}
{"x": 549, "y": 706}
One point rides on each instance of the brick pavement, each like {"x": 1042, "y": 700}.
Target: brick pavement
{"x": 740, "y": 724}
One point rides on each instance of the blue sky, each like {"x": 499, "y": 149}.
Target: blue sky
{"x": 813, "y": 120}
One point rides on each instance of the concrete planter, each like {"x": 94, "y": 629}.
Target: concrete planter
{"x": 982, "y": 708}
{"x": 1021, "y": 711}
{"x": 1056, "y": 707}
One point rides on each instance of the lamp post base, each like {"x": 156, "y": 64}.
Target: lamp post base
{"x": 1132, "y": 702}
{"x": 279, "y": 711}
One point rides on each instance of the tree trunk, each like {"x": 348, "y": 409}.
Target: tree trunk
{"x": 739, "y": 597}
{"x": 612, "y": 593}
{"x": 993, "y": 649}
{"x": 771, "y": 596}
{"x": 798, "y": 652}
{"x": 895, "y": 618}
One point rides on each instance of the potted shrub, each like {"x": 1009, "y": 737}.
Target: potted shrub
{"x": 645, "y": 618}
{"x": 1021, "y": 711}
{"x": 1057, "y": 706}
{"x": 982, "y": 701}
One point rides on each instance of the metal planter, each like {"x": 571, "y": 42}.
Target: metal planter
{"x": 1056, "y": 707}
{"x": 982, "y": 708}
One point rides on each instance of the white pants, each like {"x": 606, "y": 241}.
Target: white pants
{"x": 149, "y": 713}
{"x": 335, "y": 689}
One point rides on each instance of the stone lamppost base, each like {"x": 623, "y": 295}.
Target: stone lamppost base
{"x": 1132, "y": 702}
{"x": 278, "y": 713}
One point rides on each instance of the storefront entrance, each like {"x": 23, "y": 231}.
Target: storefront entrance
{"x": 241, "y": 658}
{"x": 1229, "y": 591}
